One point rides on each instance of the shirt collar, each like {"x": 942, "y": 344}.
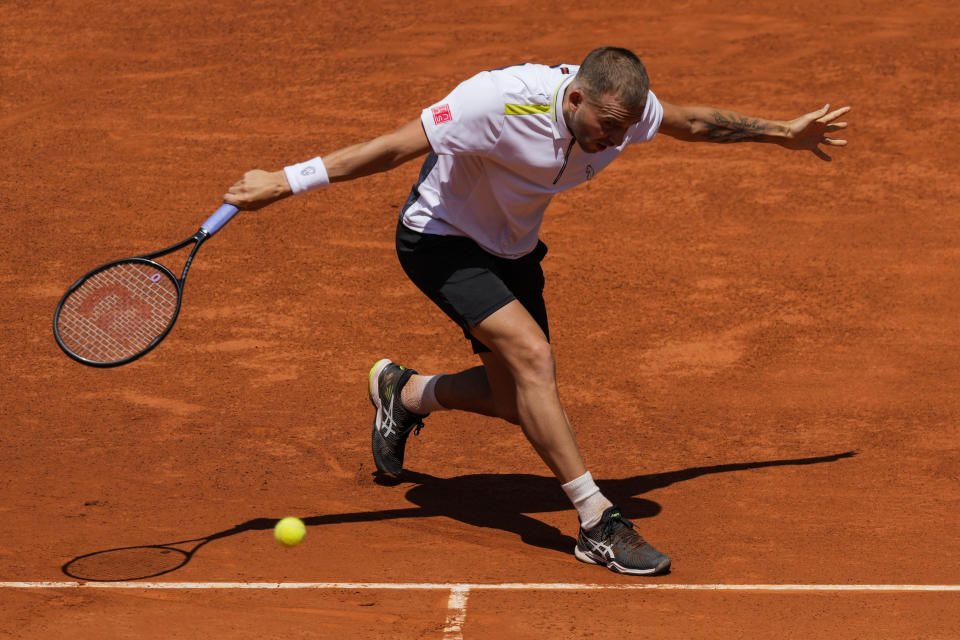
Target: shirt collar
{"x": 560, "y": 129}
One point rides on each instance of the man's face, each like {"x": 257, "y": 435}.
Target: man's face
{"x": 599, "y": 123}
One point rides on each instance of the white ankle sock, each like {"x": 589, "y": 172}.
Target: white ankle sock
{"x": 419, "y": 395}
{"x": 587, "y": 499}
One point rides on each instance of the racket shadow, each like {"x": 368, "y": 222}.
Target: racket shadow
{"x": 122, "y": 564}
{"x": 496, "y": 501}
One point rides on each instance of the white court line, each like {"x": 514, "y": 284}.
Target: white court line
{"x": 456, "y": 613}
{"x": 464, "y": 588}
{"x": 457, "y": 603}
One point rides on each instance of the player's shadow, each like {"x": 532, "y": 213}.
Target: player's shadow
{"x": 492, "y": 501}
{"x": 504, "y": 501}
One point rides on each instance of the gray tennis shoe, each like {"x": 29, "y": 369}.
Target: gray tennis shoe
{"x": 392, "y": 423}
{"x": 614, "y": 544}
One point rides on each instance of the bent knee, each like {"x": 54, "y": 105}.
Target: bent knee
{"x": 535, "y": 363}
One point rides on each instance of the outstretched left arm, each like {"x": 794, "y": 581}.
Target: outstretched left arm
{"x": 707, "y": 124}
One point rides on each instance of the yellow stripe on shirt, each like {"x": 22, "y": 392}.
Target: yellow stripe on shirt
{"x": 525, "y": 109}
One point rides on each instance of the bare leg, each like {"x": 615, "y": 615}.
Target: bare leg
{"x": 467, "y": 391}
{"x": 522, "y": 360}
{"x": 517, "y": 383}
{"x": 488, "y": 390}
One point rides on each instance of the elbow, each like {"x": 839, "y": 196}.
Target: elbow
{"x": 687, "y": 130}
{"x": 697, "y": 129}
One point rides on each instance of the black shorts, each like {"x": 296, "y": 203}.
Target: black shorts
{"x": 468, "y": 283}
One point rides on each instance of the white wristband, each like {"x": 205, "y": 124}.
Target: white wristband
{"x": 308, "y": 175}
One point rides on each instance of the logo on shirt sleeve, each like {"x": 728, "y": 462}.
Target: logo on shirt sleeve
{"x": 441, "y": 114}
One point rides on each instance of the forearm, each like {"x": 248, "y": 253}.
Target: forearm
{"x": 708, "y": 124}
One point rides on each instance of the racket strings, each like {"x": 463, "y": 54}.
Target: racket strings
{"x": 118, "y": 312}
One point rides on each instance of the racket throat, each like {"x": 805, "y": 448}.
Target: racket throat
{"x": 199, "y": 237}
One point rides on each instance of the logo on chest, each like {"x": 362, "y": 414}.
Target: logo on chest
{"x": 590, "y": 172}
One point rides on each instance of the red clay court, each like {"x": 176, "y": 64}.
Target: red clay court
{"x": 758, "y": 350}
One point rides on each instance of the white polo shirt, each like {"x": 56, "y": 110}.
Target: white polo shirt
{"x": 499, "y": 141}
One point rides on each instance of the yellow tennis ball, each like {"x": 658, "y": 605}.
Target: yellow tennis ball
{"x": 289, "y": 531}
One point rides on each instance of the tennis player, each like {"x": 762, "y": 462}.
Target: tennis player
{"x": 498, "y": 147}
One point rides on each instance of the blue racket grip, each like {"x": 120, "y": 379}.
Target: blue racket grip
{"x": 219, "y": 218}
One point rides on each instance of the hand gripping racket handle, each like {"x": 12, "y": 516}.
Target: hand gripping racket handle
{"x": 219, "y": 218}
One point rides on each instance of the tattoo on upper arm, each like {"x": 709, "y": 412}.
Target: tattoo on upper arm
{"x": 734, "y": 129}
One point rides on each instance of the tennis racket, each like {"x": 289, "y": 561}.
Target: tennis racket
{"x": 123, "y": 309}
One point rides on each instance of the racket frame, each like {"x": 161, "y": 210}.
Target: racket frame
{"x": 147, "y": 259}
{"x": 210, "y": 226}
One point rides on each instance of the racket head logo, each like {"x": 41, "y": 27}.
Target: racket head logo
{"x": 110, "y": 305}
{"x": 101, "y": 321}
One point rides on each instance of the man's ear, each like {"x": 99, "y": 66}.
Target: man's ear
{"x": 575, "y": 97}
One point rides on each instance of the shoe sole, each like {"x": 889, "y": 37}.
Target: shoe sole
{"x": 588, "y": 558}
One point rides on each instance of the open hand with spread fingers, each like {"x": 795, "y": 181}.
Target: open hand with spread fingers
{"x": 810, "y": 131}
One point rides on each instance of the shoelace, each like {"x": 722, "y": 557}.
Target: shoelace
{"x": 612, "y": 526}
{"x": 417, "y": 427}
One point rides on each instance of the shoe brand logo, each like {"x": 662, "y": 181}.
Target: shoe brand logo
{"x": 605, "y": 550}
{"x": 385, "y": 423}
